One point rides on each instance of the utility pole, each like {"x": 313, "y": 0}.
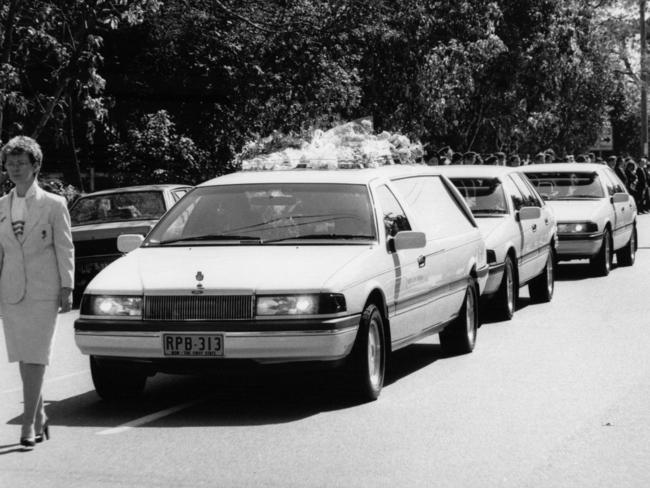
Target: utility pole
{"x": 644, "y": 83}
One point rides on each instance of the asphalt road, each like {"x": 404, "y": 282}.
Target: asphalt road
{"x": 558, "y": 397}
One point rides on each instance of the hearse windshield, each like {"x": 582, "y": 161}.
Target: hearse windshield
{"x": 246, "y": 214}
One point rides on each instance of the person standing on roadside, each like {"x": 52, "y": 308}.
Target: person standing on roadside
{"x": 36, "y": 277}
{"x": 619, "y": 169}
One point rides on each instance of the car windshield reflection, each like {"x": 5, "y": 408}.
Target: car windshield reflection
{"x": 118, "y": 207}
{"x": 567, "y": 185}
{"x": 267, "y": 213}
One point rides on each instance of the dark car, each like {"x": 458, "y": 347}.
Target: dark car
{"x": 100, "y": 217}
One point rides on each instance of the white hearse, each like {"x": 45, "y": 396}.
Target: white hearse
{"x": 519, "y": 231}
{"x": 336, "y": 267}
{"x": 595, "y": 215}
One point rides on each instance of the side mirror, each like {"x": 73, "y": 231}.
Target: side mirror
{"x": 408, "y": 239}
{"x": 620, "y": 197}
{"x": 129, "y": 242}
{"x": 529, "y": 213}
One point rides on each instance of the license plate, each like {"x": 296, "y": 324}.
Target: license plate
{"x": 196, "y": 345}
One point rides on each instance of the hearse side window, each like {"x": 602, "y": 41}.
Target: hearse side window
{"x": 618, "y": 184}
{"x": 530, "y": 199}
{"x": 394, "y": 217}
{"x": 434, "y": 205}
{"x": 515, "y": 194}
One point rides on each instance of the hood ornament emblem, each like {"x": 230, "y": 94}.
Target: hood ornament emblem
{"x": 199, "y": 285}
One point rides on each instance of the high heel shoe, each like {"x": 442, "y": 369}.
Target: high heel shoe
{"x": 27, "y": 443}
{"x": 45, "y": 433}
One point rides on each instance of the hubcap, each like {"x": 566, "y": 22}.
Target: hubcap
{"x": 374, "y": 354}
{"x": 469, "y": 317}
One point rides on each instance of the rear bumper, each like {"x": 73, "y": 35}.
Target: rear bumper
{"x": 261, "y": 341}
{"x": 571, "y": 246}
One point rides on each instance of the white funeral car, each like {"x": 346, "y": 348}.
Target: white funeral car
{"x": 519, "y": 231}
{"x": 595, "y": 215}
{"x": 331, "y": 268}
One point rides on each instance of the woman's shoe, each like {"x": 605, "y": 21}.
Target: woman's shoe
{"x": 45, "y": 433}
{"x": 27, "y": 443}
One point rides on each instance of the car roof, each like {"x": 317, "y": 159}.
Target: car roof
{"x": 563, "y": 167}
{"x": 347, "y": 176}
{"x": 127, "y": 189}
{"x": 477, "y": 170}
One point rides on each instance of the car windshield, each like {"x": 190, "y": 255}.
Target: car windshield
{"x": 484, "y": 196}
{"x": 118, "y": 207}
{"x": 266, "y": 213}
{"x": 565, "y": 185}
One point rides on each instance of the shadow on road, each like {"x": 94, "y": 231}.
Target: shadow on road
{"x": 574, "y": 271}
{"x": 236, "y": 399}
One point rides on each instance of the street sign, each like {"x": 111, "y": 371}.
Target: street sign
{"x": 605, "y": 141}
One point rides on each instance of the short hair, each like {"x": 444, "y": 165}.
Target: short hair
{"x": 444, "y": 151}
{"x": 456, "y": 157}
{"x": 500, "y": 154}
{"x": 22, "y": 145}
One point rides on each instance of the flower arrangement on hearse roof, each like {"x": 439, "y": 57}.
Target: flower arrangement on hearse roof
{"x": 348, "y": 145}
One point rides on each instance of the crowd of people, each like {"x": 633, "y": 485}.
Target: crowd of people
{"x": 634, "y": 174}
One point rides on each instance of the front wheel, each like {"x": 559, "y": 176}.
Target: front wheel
{"x": 459, "y": 337}
{"x": 541, "y": 287}
{"x": 627, "y": 255}
{"x": 367, "y": 363}
{"x": 602, "y": 262}
{"x": 116, "y": 383}
{"x": 504, "y": 302}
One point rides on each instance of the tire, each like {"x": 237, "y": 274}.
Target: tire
{"x": 541, "y": 287}
{"x": 505, "y": 299}
{"x": 459, "y": 337}
{"x": 627, "y": 255}
{"x": 116, "y": 383}
{"x": 601, "y": 264}
{"x": 367, "y": 362}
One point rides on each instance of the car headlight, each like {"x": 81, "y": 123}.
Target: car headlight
{"x": 577, "y": 227}
{"x": 324, "y": 303}
{"x": 111, "y": 306}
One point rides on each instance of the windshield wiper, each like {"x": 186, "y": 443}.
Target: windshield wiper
{"x": 322, "y": 236}
{"x": 212, "y": 237}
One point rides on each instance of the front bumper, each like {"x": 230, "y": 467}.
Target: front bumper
{"x": 265, "y": 341}
{"x": 572, "y": 246}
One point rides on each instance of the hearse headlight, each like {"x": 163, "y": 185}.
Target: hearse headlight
{"x": 111, "y": 306}
{"x": 312, "y": 304}
{"x": 577, "y": 227}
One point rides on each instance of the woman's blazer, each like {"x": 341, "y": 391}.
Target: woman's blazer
{"x": 41, "y": 262}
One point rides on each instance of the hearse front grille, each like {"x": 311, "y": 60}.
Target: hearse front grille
{"x": 198, "y": 307}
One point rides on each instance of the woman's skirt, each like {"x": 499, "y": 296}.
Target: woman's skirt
{"x": 29, "y": 329}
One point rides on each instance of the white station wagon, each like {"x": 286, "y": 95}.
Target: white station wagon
{"x": 327, "y": 267}
{"x": 519, "y": 231}
{"x": 595, "y": 215}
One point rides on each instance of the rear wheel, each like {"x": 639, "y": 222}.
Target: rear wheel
{"x": 367, "y": 366}
{"x": 113, "y": 382}
{"x": 505, "y": 300}
{"x": 541, "y": 288}
{"x": 627, "y": 255}
{"x": 459, "y": 337}
{"x": 602, "y": 262}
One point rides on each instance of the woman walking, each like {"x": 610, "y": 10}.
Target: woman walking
{"x": 36, "y": 275}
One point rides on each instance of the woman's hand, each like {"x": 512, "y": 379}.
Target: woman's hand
{"x": 65, "y": 299}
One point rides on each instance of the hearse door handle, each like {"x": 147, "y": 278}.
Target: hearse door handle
{"x": 422, "y": 260}
{"x": 534, "y": 227}
{"x": 546, "y": 221}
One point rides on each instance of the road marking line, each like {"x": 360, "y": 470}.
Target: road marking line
{"x": 148, "y": 418}
{"x": 47, "y": 381}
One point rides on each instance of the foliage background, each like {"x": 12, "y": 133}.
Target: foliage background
{"x": 153, "y": 91}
